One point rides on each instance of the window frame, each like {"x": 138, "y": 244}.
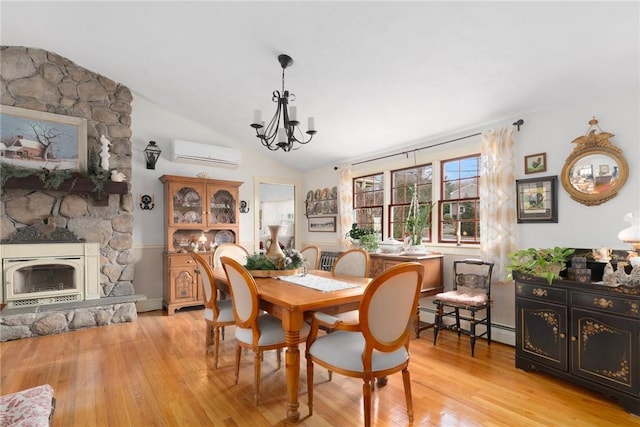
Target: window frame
{"x": 462, "y": 203}
{"x": 404, "y": 206}
{"x": 359, "y": 212}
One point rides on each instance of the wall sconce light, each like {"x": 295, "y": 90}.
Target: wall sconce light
{"x": 244, "y": 206}
{"x": 152, "y": 154}
{"x": 147, "y": 202}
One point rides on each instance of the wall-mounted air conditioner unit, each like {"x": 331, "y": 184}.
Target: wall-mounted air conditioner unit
{"x": 204, "y": 154}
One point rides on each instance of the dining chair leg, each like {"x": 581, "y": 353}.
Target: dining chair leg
{"x": 436, "y": 323}
{"x": 472, "y": 334}
{"x": 279, "y": 357}
{"x": 488, "y": 325}
{"x": 458, "y": 321}
{"x": 238, "y": 351}
{"x": 257, "y": 364}
{"x": 406, "y": 379}
{"x": 216, "y": 346}
{"x": 366, "y": 399}
{"x": 208, "y": 339}
{"x": 310, "y": 385}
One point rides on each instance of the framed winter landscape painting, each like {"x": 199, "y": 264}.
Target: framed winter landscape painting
{"x": 35, "y": 139}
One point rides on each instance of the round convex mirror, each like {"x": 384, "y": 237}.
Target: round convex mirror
{"x": 596, "y": 170}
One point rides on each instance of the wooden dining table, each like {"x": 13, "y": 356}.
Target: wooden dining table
{"x": 293, "y": 304}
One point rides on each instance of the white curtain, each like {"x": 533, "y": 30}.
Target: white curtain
{"x": 345, "y": 205}
{"x": 497, "y": 199}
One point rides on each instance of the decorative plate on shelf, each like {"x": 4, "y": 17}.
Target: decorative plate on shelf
{"x": 191, "y": 198}
{"x": 224, "y": 236}
{"x": 326, "y": 207}
{"x": 334, "y": 206}
{"x": 223, "y": 218}
{"x": 310, "y": 208}
{"x": 334, "y": 193}
{"x": 178, "y": 199}
{"x": 325, "y": 194}
{"x": 191, "y": 217}
{"x": 316, "y": 195}
{"x": 310, "y": 196}
{"x": 177, "y": 217}
{"x": 317, "y": 208}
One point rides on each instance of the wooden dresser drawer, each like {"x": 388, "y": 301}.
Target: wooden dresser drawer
{"x": 606, "y": 303}
{"x": 541, "y": 292}
{"x": 181, "y": 260}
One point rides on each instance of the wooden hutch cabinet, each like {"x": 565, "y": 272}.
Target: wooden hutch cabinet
{"x": 588, "y": 334}
{"x": 195, "y": 209}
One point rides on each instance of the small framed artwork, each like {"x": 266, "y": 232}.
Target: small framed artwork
{"x": 35, "y": 139}
{"x": 322, "y": 223}
{"x": 535, "y": 163}
{"x": 537, "y": 199}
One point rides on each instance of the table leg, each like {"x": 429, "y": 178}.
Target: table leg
{"x": 292, "y": 364}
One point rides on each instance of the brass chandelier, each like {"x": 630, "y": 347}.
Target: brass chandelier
{"x": 282, "y": 132}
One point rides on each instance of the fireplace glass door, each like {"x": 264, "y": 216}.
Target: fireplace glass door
{"x": 42, "y": 280}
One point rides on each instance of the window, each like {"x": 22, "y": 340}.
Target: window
{"x": 403, "y": 182}
{"x": 368, "y": 202}
{"x": 459, "y": 207}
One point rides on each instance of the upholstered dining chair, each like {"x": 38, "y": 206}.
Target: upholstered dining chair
{"x": 352, "y": 262}
{"x": 217, "y": 313}
{"x": 255, "y": 330}
{"x": 312, "y": 255}
{"x": 472, "y": 293}
{"x": 380, "y": 345}
{"x": 231, "y": 250}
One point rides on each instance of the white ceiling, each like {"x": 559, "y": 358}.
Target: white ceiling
{"x": 376, "y": 75}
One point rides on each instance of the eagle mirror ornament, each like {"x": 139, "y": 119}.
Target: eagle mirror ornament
{"x": 596, "y": 169}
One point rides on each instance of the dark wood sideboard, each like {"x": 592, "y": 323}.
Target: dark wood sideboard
{"x": 432, "y": 280}
{"x": 587, "y": 334}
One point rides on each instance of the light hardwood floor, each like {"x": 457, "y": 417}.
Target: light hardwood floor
{"x": 153, "y": 372}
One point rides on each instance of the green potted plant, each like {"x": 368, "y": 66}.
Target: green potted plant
{"x": 547, "y": 262}
{"x": 369, "y": 242}
{"x": 357, "y": 233}
{"x": 417, "y": 219}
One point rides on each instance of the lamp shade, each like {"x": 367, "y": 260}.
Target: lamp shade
{"x": 631, "y": 235}
{"x": 152, "y": 153}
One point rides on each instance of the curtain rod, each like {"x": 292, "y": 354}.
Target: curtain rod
{"x": 517, "y": 123}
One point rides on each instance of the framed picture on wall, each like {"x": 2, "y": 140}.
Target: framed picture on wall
{"x": 535, "y": 163}
{"x": 36, "y": 140}
{"x": 322, "y": 223}
{"x": 537, "y": 199}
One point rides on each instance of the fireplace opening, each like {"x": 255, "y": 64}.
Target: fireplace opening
{"x": 49, "y": 273}
{"x": 44, "y": 278}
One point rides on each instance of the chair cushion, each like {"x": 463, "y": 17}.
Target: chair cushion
{"x": 344, "y": 350}
{"x": 467, "y": 297}
{"x": 226, "y": 311}
{"x": 27, "y": 408}
{"x": 271, "y": 332}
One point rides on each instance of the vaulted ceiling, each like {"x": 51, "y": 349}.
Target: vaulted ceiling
{"x": 375, "y": 75}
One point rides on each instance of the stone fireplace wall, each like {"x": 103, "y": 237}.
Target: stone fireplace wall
{"x": 36, "y": 79}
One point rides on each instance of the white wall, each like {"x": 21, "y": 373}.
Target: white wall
{"x": 544, "y": 131}
{"x": 548, "y": 131}
{"x": 150, "y": 122}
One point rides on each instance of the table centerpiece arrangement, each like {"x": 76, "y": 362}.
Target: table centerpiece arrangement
{"x": 259, "y": 265}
